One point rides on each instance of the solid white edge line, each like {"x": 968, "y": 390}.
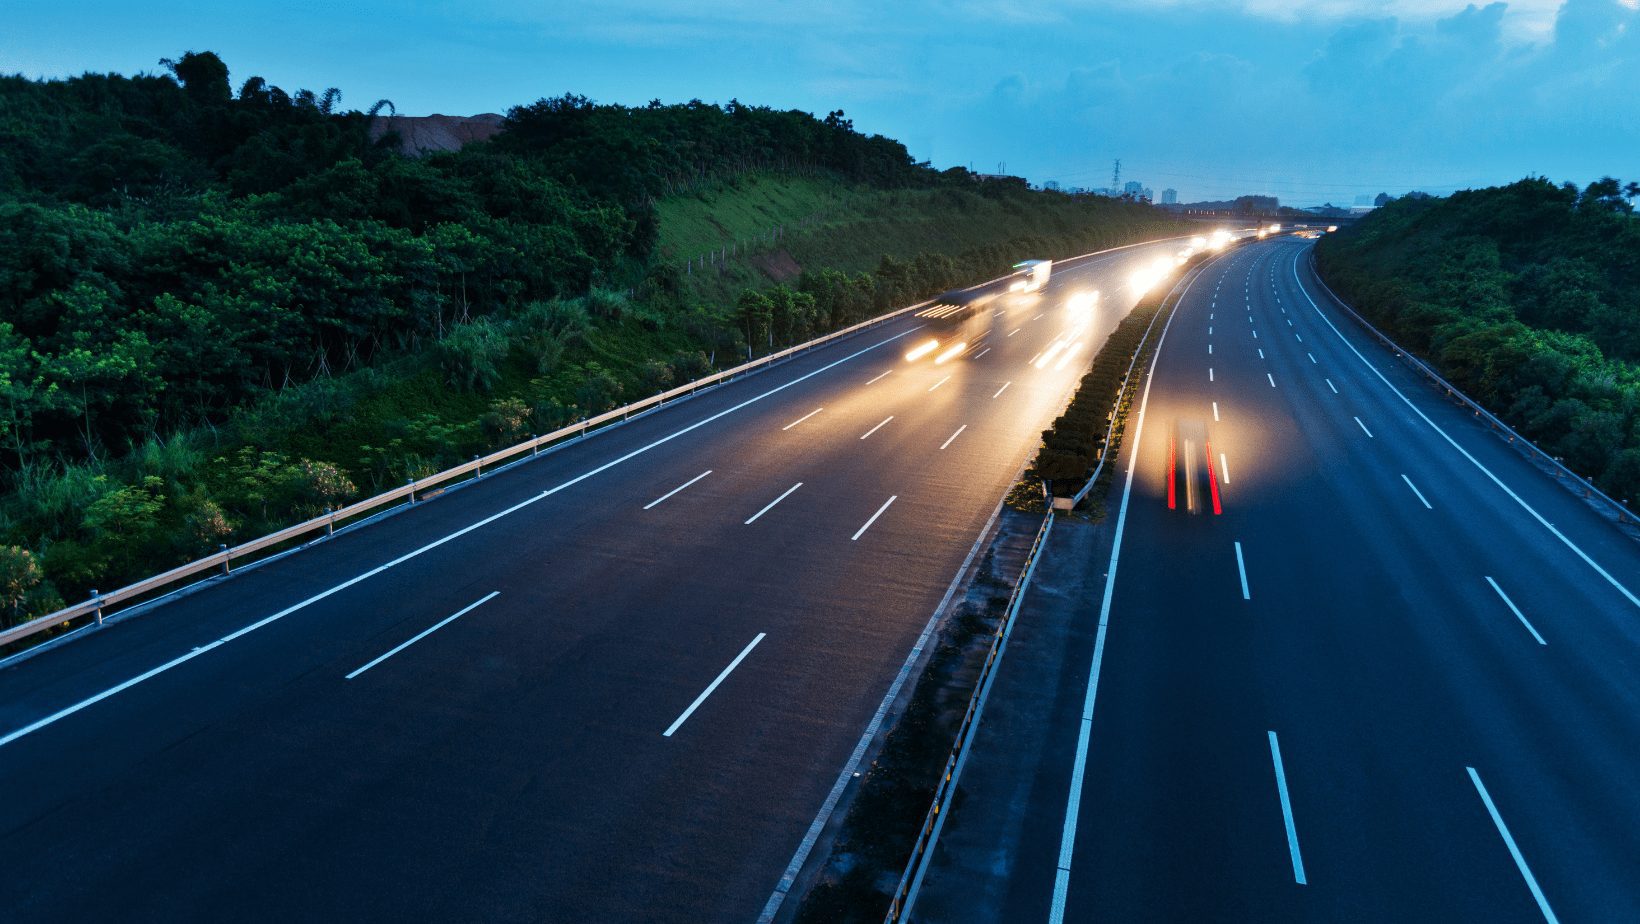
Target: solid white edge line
{"x": 1627, "y": 594}
{"x": 862, "y": 530}
{"x": 184, "y": 658}
{"x": 1515, "y": 609}
{"x": 1003, "y": 388}
{"x": 1073, "y": 801}
{"x": 878, "y": 427}
{"x": 1415, "y": 490}
{"x": 773, "y": 502}
{"x": 874, "y": 381}
{"x": 428, "y": 631}
{"x": 1363, "y": 428}
{"x": 1224, "y": 469}
{"x": 1514, "y": 851}
{"x": 1241, "y": 568}
{"x": 1287, "y": 812}
{"x": 939, "y": 383}
{"x": 675, "y": 490}
{"x": 954, "y": 436}
{"x": 712, "y": 686}
{"x": 803, "y": 418}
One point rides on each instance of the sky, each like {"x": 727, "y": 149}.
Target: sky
{"x": 1307, "y": 100}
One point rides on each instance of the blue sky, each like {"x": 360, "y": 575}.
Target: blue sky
{"x": 1309, "y": 100}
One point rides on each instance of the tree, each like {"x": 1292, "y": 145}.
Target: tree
{"x": 20, "y": 574}
{"x": 203, "y": 76}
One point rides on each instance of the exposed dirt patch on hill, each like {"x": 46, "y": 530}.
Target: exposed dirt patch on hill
{"x": 421, "y": 134}
{"x": 778, "y": 265}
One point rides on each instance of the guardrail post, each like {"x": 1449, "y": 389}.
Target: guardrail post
{"x": 411, "y": 483}
{"x": 330, "y": 524}
{"x": 96, "y": 605}
{"x": 535, "y": 449}
{"x": 478, "y": 472}
{"x": 222, "y": 549}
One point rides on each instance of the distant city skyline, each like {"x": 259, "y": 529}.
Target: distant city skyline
{"x": 1308, "y": 100}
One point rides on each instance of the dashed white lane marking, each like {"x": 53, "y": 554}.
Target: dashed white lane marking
{"x": 862, "y": 530}
{"x": 939, "y": 383}
{"x": 1002, "y": 389}
{"x": 803, "y": 418}
{"x": 1514, "y": 851}
{"x": 675, "y": 490}
{"x": 430, "y": 630}
{"x": 712, "y": 686}
{"x": 1421, "y": 498}
{"x": 878, "y": 427}
{"x": 874, "y": 381}
{"x": 1363, "y": 428}
{"x": 953, "y": 436}
{"x": 1516, "y": 610}
{"x": 773, "y": 502}
{"x": 1287, "y": 811}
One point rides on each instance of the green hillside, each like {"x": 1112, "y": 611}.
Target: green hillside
{"x": 1527, "y": 297}
{"x": 222, "y": 310}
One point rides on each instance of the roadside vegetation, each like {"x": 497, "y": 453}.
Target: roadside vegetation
{"x": 222, "y": 311}
{"x": 1527, "y": 297}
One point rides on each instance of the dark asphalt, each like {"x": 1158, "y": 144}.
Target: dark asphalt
{"x": 511, "y": 764}
{"x": 1371, "y": 643}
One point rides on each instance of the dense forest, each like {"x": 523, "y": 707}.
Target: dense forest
{"x": 223, "y": 310}
{"x": 1527, "y": 297}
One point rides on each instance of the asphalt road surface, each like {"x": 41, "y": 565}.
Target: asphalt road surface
{"x": 1394, "y": 678}
{"x": 616, "y": 683}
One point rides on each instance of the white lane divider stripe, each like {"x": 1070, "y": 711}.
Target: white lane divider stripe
{"x": 773, "y": 502}
{"x": 1271, "y": 378}
{"x": 1332, "y": 386}
{"x": 1241, "y": 569}
{"x": 1363, "y": 428}
{"x": 1516, "y": 610}
{"x": 428, "y": 631}
{"x": 954, "y": 436}
{"x": 982, "y": 352}
{"x": 713, "y": 686}
{"x": 1287, "y": 811}
{"x": 1215, "y": 410}
{"x": 1514, "y": 851}
{"x": 874, "y": 381}
{"x": 862, "y": 530}
{"x": 803, "y": 418}
{"x": 1312, "y": 357}
{"x": 876, "y": 428}
{"x": 939, "y": 383}
{"x": 1003, "y": 388}
{"x": 1210, "y": 373}
{"x": 1530, "y": 510}
{"x": 1224, "y": 469}
{"x": 1015, "y": 331}
{"x": 675, "y": 490}
{"x": 1415, "y": 490}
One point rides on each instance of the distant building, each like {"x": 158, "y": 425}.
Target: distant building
{"x": 1170, "y": 197}
{"x": 1148, "y": 194}
{"x": 1134, "y": 188}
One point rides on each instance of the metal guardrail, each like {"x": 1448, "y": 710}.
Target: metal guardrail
{"x": 905, "y": 894}
{"x": 1616, "y": 509}
{"x": 221, "y": 562}
{"x": 1127, "y": 385}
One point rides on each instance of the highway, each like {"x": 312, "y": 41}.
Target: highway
{"x": 1393, "y": 679}
{"x": 615, "y": 683}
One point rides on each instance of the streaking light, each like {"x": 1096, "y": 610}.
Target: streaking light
{"x": 1083, "y": 303}
{"x": 918, "y": 352}
{"x": 1049, "y": 354}
{"x": 950, "y": 351}
{"x": 1072, "y": 351}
